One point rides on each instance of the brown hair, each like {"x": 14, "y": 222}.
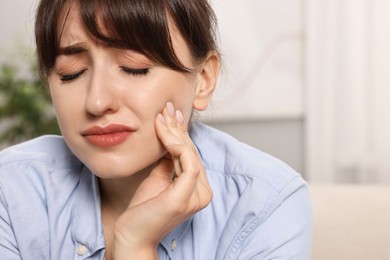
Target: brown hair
{"x": 140, "y": 25}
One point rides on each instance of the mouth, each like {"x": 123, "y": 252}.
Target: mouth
{"x": 108, "y": 136}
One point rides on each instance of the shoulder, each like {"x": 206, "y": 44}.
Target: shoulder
{"x": 49, "y": 149}
{"x": 225, "y": 155}
{"x": 258, "y": 198}
{"x": 42, "y": 187}
{"x": 37, "y": 166}
{"x": 245, "y": 180}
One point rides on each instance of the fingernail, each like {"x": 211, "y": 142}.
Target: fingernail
{"x": 170, "y": 109}
{"x": 161, "y": 118}
{"x": 179, "y": 116}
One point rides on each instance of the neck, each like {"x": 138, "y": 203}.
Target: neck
{"x": 117, "y": 193}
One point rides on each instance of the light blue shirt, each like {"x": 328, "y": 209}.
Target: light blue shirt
{"x": 50, "y": 205}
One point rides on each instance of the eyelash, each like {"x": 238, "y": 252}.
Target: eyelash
{"x": 135, "y": 72}
{"x": 70, "y": 77}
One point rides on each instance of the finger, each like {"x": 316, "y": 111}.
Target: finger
{"x": 181, "y": 124}
{"x": 192, "y": 182}
{"x": 168, "y": 138}
{"x": 190, "y": 189}
{"x": 177, "y": 166}
{"x": 183, "y": 128}
{"x": 177, "y": 125}
{"x": 164, "y": 133}
{"x": 175, "y": 121}
{"x": 189, "y": 162}
{"x": 166, "y": 127}
{"x": 186, "y": 182}
{"x": 169, "y": 115}
{"x": 171, "y": 129}
{"x": 184, "y": 159}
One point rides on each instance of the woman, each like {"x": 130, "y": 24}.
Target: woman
{"x": 128, "y": 180}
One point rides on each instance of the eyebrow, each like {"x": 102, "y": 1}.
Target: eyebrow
{"x": 72, "y": 49}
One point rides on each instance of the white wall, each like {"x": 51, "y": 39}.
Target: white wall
{"x": 16, "y": 28}
{"x": 261, "y": 43}
{"x": 348, "y": 79}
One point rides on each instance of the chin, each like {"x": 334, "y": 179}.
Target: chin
{"x": 112, "y": 168}
{"x": 108, "y": 170}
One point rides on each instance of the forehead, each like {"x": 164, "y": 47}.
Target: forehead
{"x": 71, "y": 28}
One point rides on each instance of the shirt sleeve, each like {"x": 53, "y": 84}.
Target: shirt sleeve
{"x": 287, "y": 231}
{"x": 8, "y": 245}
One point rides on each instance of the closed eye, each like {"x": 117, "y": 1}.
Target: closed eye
{"x": 135, "y": 72}
{"x": 70, "y": 77}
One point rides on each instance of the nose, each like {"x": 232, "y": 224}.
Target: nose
{"x": 101, "y": 98}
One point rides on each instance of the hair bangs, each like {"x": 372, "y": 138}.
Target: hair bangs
{"x": 130, "y": 25}
{"x": 141, "y": 25}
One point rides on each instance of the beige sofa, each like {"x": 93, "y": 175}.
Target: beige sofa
{"x": 351, "y": 222}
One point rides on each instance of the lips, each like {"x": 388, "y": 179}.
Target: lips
{"x": 108, "y": 136}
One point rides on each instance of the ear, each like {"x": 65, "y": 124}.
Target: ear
{"x": 207, "y": 79}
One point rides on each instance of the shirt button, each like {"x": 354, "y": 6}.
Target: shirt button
{"x": 173, "y": 245}
{"x": 81, "y": 250}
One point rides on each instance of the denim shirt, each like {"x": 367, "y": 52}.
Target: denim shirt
{"x": 50, "y": 205}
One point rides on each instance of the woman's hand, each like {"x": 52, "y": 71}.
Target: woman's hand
{"x": 176, "y": 189}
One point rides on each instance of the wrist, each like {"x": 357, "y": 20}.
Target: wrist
{"x": 121, "y": 252}
{"x": 126, "y": 250}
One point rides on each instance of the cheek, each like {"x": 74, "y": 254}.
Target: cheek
{"x": 182, "y": 96}
{"x": 66, "y": 106}
{"x": 181, "y": 99}
{"x": 185, "y": 104}
{"x": 65, "y": 116}
{"x": 167, "y": 86}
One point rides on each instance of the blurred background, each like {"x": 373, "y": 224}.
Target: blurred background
{"x": 307, "y": 81}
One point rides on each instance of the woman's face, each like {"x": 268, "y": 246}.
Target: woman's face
{"x": 107, "y": 99}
